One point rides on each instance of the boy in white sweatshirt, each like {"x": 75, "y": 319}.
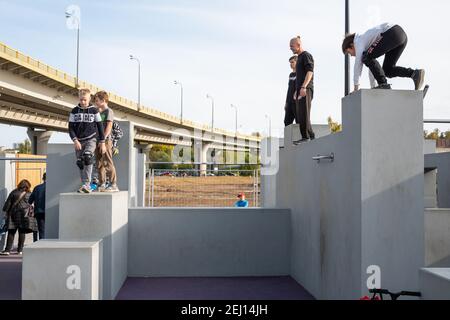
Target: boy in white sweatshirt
{"x": 388, "y": 40}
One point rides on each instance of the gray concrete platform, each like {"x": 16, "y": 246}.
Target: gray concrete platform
{"x": 62, "y": 270}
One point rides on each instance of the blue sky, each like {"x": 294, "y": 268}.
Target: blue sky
{"x": 237, "y": 51}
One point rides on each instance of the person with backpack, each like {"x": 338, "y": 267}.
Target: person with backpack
{"x": 19, "y": 216}
{"x": 104, "y": 161}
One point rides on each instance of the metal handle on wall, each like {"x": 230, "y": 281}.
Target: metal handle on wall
{"x": 321, "y": 157}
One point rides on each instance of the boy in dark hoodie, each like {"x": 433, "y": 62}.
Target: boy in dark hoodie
{"x": 85, "y": 124}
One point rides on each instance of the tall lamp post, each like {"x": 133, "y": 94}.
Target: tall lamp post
{"x": 212, "y": 106}
{"x": 270, "y": 125}
{"x": 74, "y": 16}
{"x": 347, "y": 57}
{"x": 236, "y": 119}
{"x": 139, "y": 80}
{"x": 181, "y": 88}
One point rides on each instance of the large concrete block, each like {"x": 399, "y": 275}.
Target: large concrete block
{"x": 365, "y": 208}
{"x": 62, "y": 176}
{"x": 99, "y": 216}
{"x": 392, "y": 180}
{"x": 435, "y": 283}
{"x": 430, "y": 189}
{"x": 437, "y": 238}
{"x": 62, "y": 270}
{"x": 125, "y": 162}
{"x": 441, "y": 162}
{"x": 202, "y": 242}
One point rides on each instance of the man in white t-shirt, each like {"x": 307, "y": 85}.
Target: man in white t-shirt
{"x": 388, "y": 40}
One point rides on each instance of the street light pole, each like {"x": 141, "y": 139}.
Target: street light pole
{"x": 347, "y": 57}
{"x": 270, "y": 125}
{"x": 139, "y": 80}
{"x": 212, "y": 106}
{"x": 75, "y": 17}
{"x": 181, "y": 86}
{"x": 236, "y": 119}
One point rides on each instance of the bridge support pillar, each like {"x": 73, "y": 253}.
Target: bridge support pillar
{"x": 201, "y": 156}
{"x": 39, "y": 140}
{"x": 143, "y": 148}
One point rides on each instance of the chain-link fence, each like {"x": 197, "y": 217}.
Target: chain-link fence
{"x": 201, "y": 187}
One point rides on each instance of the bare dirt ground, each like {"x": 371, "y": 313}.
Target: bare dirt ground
{"x": 200, "y": 191}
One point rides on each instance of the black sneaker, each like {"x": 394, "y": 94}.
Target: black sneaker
{"x": 5, "y": 253}
{"x": 300, "y": 141}
{"x": 418, "y": 78}
{"x": 384, "y": 86}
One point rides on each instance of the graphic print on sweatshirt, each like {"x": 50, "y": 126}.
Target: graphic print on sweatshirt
{"x": 85, "y": 117}
{"x": 85, "y": 124}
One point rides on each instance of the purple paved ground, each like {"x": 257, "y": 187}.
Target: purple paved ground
{"x": 10, "y": 277}
{"x": 245, "y": 288}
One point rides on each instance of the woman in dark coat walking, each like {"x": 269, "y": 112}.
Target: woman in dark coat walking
{"x": 16, "y": 208}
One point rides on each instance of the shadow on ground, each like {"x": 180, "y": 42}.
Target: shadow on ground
{"x": 238, "y": 288}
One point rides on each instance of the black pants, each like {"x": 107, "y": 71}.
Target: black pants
{"x": 391, "y": 43}
{"x": 303, "y": 114}
{"x": 41, "y": 229}
{"x": 289, "y": 114}
{"x": 10, "y": 241}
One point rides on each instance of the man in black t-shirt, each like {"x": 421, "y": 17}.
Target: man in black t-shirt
{"x": 289, "y": 108}
{"x": 304, "y": 89}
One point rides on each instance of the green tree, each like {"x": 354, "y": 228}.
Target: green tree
{"x": 433, "y": 135}
{"x": 25, "y": 147}
{"x": 447, "y": 135}
{"x": 161, "y": 153}
{"x": 334, "y": 126}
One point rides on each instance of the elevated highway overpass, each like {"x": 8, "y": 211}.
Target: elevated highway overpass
{"x": 38, "y": 96}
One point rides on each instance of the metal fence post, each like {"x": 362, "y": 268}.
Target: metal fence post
{"x": 149, "y": 186}
{"x": 153, "y": 187}
{"x": 257, "y": 188}
{"x": 254, "y": 188}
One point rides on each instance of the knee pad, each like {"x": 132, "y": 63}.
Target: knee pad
{"x": 80, "y": 163}
{"x": 88, "y": 158}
